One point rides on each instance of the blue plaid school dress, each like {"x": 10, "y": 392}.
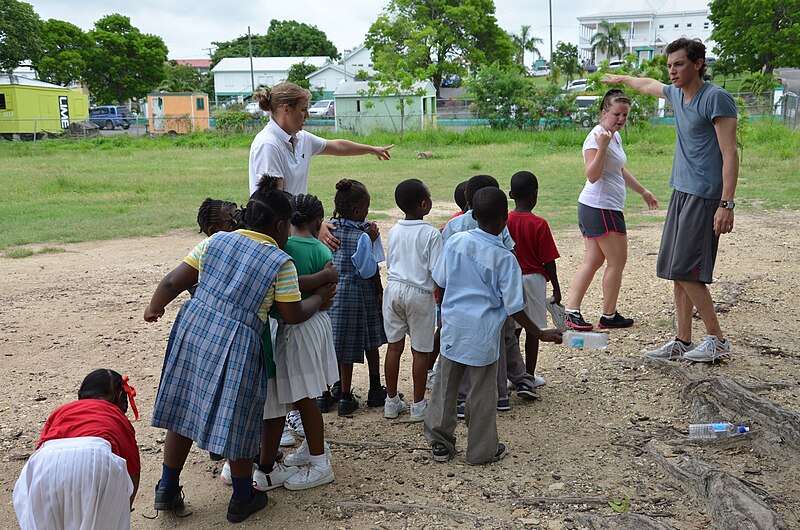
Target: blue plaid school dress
{"x": 356, "y": 317}
{"x": 213, "y": 382}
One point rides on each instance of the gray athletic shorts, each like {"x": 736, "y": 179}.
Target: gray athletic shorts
{"x": 596, "y": 223}
{"x": 688, "y": 245}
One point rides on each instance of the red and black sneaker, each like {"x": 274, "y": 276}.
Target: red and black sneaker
{"x": 617, "y": 322}
{"x": 575, "y": 321}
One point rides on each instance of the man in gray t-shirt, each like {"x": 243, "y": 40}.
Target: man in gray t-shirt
{"x": 705, "y": 171}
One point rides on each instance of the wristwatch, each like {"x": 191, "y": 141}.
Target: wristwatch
{"x": 730, "y": 205}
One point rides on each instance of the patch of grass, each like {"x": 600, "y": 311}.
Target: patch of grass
{"x": 111, "y": 187}
{"x": 26, "y": 252}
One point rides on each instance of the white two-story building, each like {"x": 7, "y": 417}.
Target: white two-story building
{"x": 649, "y": 26}
{"x": 233, "y": 80}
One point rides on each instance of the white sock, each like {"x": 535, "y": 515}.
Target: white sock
{"x": 395, "y": 399}
{"x": 418, "y": 403}
{"x": 611, "y": 316}
{"x": 319, "y": 460}
{"x": 572, "y": 311}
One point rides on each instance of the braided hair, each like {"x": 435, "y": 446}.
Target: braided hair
{"x": 306, "y": 208}
{"x": 268, "y": 204}
{"x": 210, "y": 215}
{"x": 350, "y": 194}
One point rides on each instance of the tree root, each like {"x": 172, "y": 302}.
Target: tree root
{"x": 625, "y": 521}
{"x": 730, "y": 502}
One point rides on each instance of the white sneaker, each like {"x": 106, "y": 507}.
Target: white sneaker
{"x": 673, "y": 349}
{"x": 225, "y": 475}
{"x": 295, "y": 422}
{"x": 287, "y": 438}
{"x": 302, "y": 456}
{"x": 274, "y": 479}
{"x": 392, "y": 407}
{"x": 418, "y": 410}
{"x": 710, "y": 350}
{"x": 310, "y": 477}
{"x": 538, "y": 381}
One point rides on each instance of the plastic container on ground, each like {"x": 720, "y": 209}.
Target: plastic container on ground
{"x": 715, "y": 431}
{"x": 586, "y": 340}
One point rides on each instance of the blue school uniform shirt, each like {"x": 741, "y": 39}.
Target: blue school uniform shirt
{"x": 368, "y": 253}
{"x": 483, "y": 286}
{"x": 465, "y": 222}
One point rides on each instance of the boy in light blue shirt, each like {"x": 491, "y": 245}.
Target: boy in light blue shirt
{"x": 481, "y": 285}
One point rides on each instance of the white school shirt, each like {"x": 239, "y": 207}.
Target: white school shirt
{"x": 272, "y": 153}
{"x": 465, "y": 222}
{"x": 483, "y": 286}
{"x": 414, "y": 247}
{"x": 608, "y": 192}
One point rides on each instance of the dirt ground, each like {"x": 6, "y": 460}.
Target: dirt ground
{"x": 579, "y": 445}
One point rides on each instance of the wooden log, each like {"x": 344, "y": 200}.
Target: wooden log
{"x": 729, "y": 502}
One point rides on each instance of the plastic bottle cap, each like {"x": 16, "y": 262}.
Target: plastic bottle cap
{"x": 743, "y": 429}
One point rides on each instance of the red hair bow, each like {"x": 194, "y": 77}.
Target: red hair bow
{"x": 131, "y": 394}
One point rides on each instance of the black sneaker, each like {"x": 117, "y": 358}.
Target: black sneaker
{"x": 168, "y": 500}
{"x": 377, "y": 397}
{"x": 526, "y": 391}
{"x": 502, "y": 451}
{"x": 576, "y": 321}
{"x": 440, "y": 452}
{"x": 239, "y": 511}
{"x": 325, "y": 402}
{"x": 348, "y": 405}
{"x": 617, "y": 322}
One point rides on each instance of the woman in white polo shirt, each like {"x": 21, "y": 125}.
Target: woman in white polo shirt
{"x": 284, "y": 149}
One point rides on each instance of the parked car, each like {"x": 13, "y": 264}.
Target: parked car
{"x": 110, "y": 116}
{"x": 613, "y": 65}
{"x": 541, "y": 71}
{"x": 587, "y": 114}
{"x": 577, "y": 85}
{"x": 322, "y": 109}
{"x": 451, "y": 81}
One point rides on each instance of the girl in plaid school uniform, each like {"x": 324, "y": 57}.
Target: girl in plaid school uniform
{"x": 213, "y": 383}
{"x": 356, "y": 313}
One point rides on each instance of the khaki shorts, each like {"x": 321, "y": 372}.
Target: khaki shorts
{"x": 535, "y": 288}
{"x": 408, "y": 310}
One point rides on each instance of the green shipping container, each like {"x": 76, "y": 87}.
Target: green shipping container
{"x": 30, "y": 106}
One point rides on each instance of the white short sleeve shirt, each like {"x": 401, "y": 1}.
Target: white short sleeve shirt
{"x": 608, "y": 192}
{"x": 414, "y": 247}
{"x": 271, "y": 152}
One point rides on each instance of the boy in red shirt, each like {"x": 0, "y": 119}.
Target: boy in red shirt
{"x": 536, "y": 253}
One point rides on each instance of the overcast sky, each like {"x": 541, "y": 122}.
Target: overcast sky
{"x": 188, "y": 28}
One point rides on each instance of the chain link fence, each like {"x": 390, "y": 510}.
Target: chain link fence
{"x": 789, "y": 107}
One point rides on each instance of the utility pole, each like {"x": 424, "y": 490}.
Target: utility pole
{"x": 250, "y": 51}
{"x": 550, "y": 6}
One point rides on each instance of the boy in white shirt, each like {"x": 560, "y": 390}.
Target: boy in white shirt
{"x": 408, "y": 303}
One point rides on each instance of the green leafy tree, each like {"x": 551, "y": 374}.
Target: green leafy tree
{"x": 726, "y": 67}
{"x": 65, "y": 49}
{"x": 759, "y": 34}
{"x": 124, "y": 62}
{"x": 181, "y": 78}
{"x": 288, "y": 38}
{"x": 283, "y": 39}
{"x": 525, "y": 42}
{"x": 430, "y": 39}
{"x": 608, "y": 39}
{"x": 20, "y": 35}
{"x": 500, "y": 94}
{"x": 361, "y": 75}
{"x": 656, "y": 68}
{"x": 565, "y": 58}
{"x": 297, "y": 74}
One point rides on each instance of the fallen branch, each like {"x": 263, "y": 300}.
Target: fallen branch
{"x": 409, "y": 509}
{"x": 730, "y": 503}
{"x": 625, "y": 521}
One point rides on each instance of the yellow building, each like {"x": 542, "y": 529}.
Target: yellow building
{"x": 29, "y": 106}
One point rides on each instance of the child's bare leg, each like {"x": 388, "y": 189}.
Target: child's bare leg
{"x": 271, "y": 431}
{"x": 437, "y": 341}
{"x": 373, "y": 362}
{"x": 346, "y": 375}
{"x": 391, "y": 367}
{"x": 419, "y": 373}
{"x": 176, "y": 449}
{"x": 531, "y": 353}
{"x": 312, "y": 422}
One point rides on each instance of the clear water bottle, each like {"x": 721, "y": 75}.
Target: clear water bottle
{"x": 586, "y": 340}
{"x": 715, "y": 431}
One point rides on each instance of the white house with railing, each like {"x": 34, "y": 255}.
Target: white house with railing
{"x": 649, "y": 26}
{"x": 233, "y": 79}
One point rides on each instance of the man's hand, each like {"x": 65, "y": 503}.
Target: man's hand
{"x": 723, "y": 221}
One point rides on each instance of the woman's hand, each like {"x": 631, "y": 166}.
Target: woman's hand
{"x": 650, "y": 199}
{"x": 383, "y": 152}
{"x": 327, "y": 237}
{"x": 603, "y": 139}
{"x": 373, "y": 231}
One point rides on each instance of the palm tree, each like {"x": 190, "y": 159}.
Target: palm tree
{"x": 609, "y": 39}
{"x": 525, "y": 42}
